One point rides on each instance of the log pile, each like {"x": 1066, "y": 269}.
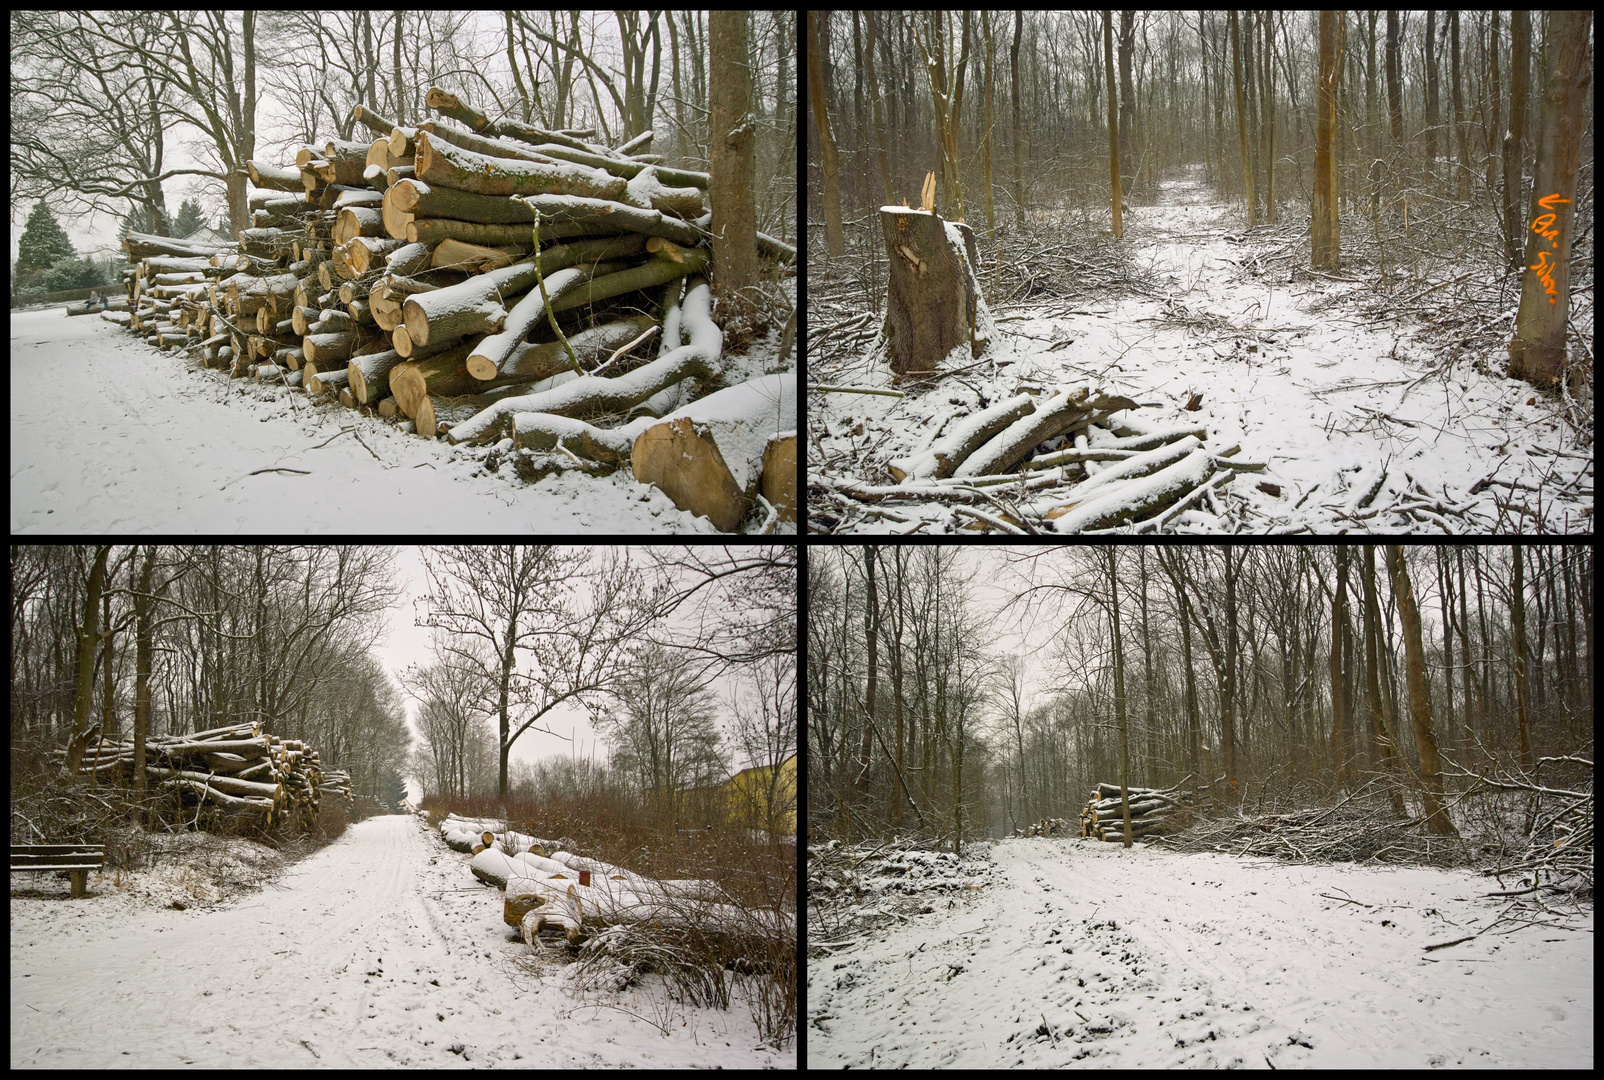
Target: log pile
{"x": 1153, "y": 813}
{"x": 489, "y": 281}
{"x": 554, "y": 892}
{"x": 237, "y": 771}
{"x": 1104, "y": 469}
{"x": 1048, "y": 826}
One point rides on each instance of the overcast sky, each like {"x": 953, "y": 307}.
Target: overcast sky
{"x": 408, "y": 643}
{"x": 97, "y": 234}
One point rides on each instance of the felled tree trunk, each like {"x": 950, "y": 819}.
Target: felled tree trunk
{"x": 709, "y": 458}
{"x": 934, "y": 304}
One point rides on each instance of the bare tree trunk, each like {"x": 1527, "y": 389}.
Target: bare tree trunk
{"x": 1119, "y": 695}
{"x": 1242, "y": 118}
{"x": 991, "y": 218}
{"x": 835, "y": 242}
{"x": 84, "y": 679}
{"x": 1437, "y": 820}
{"x": 1431, "y": 93}
{"x": 1341, "y": 737}
{"x": 874, "y": 107}
{"x": 732, "y": 127}
{"x": 1520, "y": 48}
{"x": 1113, "y": 123}
{"x": 1394, "y": 93}
{"x": 1325, "y": 231}
{"x": 871, "y": 634}
{"x": 1384, "y": 735}
{"x": 1019, "y": 151}
{"x": 1495, "y": 104}
{"x": 1127, "y": 98}
{"x": 1460, "y": 143}
{"x": 1267, "y": 86}
{"x": 1537, "y": 350}
{"x": 143, "y": 602}
{"x": 1517, "y": 618}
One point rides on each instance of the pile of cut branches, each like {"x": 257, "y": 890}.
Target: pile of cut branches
{"x": 995, "y": 469}
{"x": 1361, "y": 828}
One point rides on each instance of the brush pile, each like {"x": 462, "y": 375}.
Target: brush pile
{"x": 1153, "y": 813}
{"x": 236, "y": 771}
{"x": 493, "y": 283}
{"x": 1068, "y": 461}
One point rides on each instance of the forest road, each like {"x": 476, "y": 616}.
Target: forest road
{"x": 1083, "y": 953}
{"x": 372, "y": 952}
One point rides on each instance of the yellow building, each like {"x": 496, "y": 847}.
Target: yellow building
{"x": 753, "y": 802}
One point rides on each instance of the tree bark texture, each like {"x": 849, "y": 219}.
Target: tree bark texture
{"x": 1537, "y": 350}
{"x": 934, "y": 300}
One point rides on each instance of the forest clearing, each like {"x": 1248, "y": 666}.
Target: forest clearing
{"x": 1072, "y": 953}
{"x": 1313, "y": 305}
{"x": 1200, "y": 806}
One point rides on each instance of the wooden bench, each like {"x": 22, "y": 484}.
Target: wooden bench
{"x": 76, "y": 859}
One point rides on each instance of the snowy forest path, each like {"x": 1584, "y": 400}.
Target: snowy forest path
{"x": 110, "y": 436}
{"x": 380, "y": 950}
{"x": 1353, "y": 414}
{"x": 1081, "y": 952}
{"x": 345, "y": 951}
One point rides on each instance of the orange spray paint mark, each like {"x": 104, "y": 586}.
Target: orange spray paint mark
{"x": 1544, "y": 225}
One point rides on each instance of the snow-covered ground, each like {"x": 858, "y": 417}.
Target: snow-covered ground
{"x": 1361, "y": 424}
{"x": 1080, "y": 953}
{"x": 379, "y": 950}
{"x": 110, "y": 435}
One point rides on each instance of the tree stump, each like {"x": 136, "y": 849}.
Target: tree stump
{"x": 934, "y": 303}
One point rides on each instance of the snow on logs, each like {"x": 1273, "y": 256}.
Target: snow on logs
{"x": 1110, "y": 470}
{"x": 1152, "y": 812}
{"x": 236, "y": 769}
{"x": 404, "y": 275}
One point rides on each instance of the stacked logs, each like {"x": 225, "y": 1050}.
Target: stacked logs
{"x": 424, "y": 276}
{"x": 1048, "y": 826}
{"x": 1152, "y": 813}
{"x": 553, "y": 892}
{"x": 236, "y": 770}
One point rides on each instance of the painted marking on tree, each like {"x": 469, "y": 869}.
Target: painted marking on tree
{"x": 1544, "y": 225}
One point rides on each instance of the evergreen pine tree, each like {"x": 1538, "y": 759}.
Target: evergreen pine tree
{"x": 188, "y": 219}
{"x": 43, "y": 241}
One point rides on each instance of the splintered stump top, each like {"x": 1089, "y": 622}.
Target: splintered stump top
{"x": 932, "y": 300}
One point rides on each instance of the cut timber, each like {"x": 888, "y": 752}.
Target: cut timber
{"x": 474, "y": 306}
{"x": 473, "y": 258}
{"x": 779, "y": 475}
{"x": 272, "y": 177}
{"x": 424, "y": 423}
{"x": 709, "y": 457}
{"x": 443, "y": 375}
{"x": 933, "y": 306}
{"x": 434, "y": 230}
{"x": 593, "y": 394}
{"x": 438, "y": 162}
{"x": 422, "y": 201}
{"x": 492, "y": 352}
{"x": 968, "y": 435}
{"x": 1114, "y": 504}
{"x": 528, "y": 363}
{"x": 543, "y": 431}
{"x": 375, "y": 123}
{"x": 1061, "y": 413}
